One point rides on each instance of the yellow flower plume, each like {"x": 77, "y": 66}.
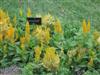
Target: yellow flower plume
{"x": 57, "y": 27}
{"x": 1, "y": 37}
{"x": 22, "y": 42}
{"x": 10, "y": 34}
{"x": 37, "y": 53}
{"x": 29, "y": 13}
{"x": 51, "y": 60}
{"x": 43, "y": 35}
{"x": 86, "y": 27}
{"x": 27, "y": 32}
{"x": 4, "y": 21}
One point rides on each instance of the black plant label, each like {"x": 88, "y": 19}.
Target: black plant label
{"x": 36, "y": 21}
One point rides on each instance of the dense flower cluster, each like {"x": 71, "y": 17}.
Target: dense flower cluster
{"x": 46, "y": 44}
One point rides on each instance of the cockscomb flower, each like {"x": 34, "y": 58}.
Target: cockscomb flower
{"x": 86, "y": 27}
{"x": 57, "y": 27}
{"x": 22, "y": 42}
{"x": 47, "y": 19}
{"x": 46, "y": 35}
{"x": 10, "y": 34}
{"x": 51, "y": 60}
{"x": 27, "y": 29}
{"x": 1, "y": 16}
{"x": 37, "y": 53}
{"x": 27, "y": 32}
{"x": 38, "y": 33}
{"x": 1, "y": 37}
{"x": 43, "y": 35}
{"x": 29, "y": 13}
{"x": 4, "y": 21}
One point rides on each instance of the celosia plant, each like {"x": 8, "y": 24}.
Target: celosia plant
{"x": 86, "y": 27}
{"x": 37, "y": 53}
{"x": 51, "y": 60}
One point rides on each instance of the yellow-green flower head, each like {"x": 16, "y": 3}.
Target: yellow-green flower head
{"x": 1, "y": 37}
{"x": 51, "y": 60}
{"x": 57, "y": 27}
{"x": 47, "y": 19}
{"x": 37, "y": 53}
{"x": 4, "y": 21}
{"x": 29, "y": 13}
{"x": 86, "y": 27}
{"x": 43, "y": 35}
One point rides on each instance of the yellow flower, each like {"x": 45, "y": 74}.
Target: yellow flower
{"x": 4, "y": 21}
{"x": 46, "y": 35}
{"x": 1, "y": 37}
{"x": 27, "y": 32}
{"x": 57, "y": 27}
{"x": 27, "y": 29}
{"x": 10, "y": 34}
{"x": 38, "y": 33}
{"x": 47, "y": 19}
{"x": 1, "y": 16}
{"x": 20, "y": 12}
{"x": 43, "y": 35}
{"x": 37, "y": 53}
{"x": 22, "y": 42}
{"x": 86, "y": 27}
{"x": 29, "y": 13}
{"x": 51, "y": 60}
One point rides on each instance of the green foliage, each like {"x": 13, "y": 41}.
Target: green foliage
{"x": 94, "y": 72}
